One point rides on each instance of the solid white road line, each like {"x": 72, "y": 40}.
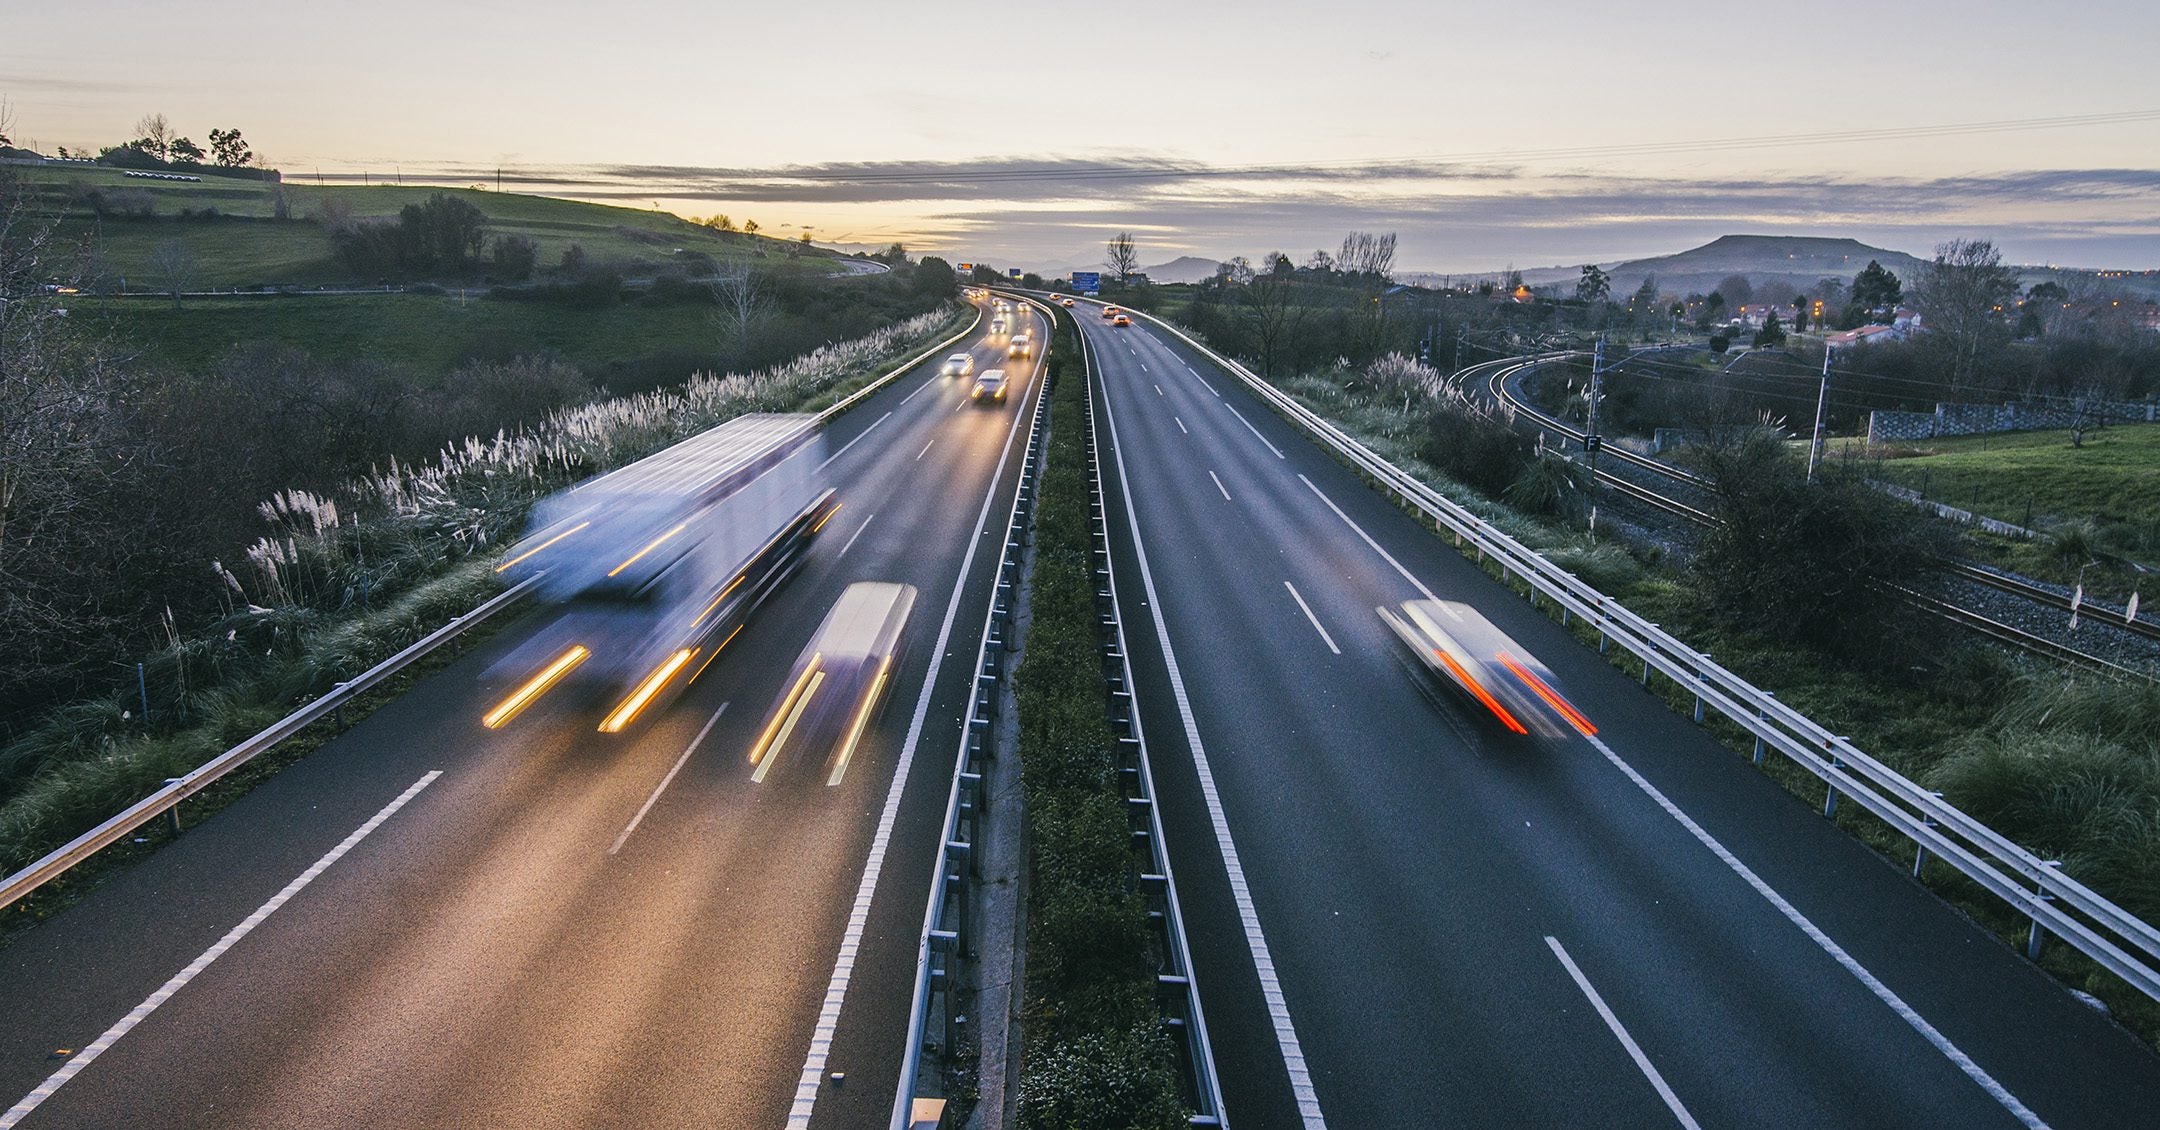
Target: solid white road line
{"x": 1792, "y": 914}
{"x": 141, "y": 1012}
{"x": 670, "y": 778}
{"x": 1384, "y": 554}
{"x": 858, "y": 439}
{"x": 1883, "y": 993}
{"x": 1218, "y": 486}
{"x": 1181, "y": 426}
{"x": 1293, "y": 1053}
{"x": 923, "y": 388}
{"x": 1324, "y": 637}
{"x": 1634, "y": 1050}
{"x": 1202, "y": 380}
{"x": 828, "y": 1021}
{"x": 925, "y": 450}
{"x": 1255, "y": 431}
{"x": 851, "y": 538}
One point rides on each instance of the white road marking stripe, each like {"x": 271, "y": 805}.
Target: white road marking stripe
{"x": 858, "y": 439}
{"x": 923, "y": 388}
{"x": 669, "y": 779}
{"x": 1218, "y": 486}
{"x": 828, "y": 1021}
{"x": 1255, "y": 431}
{"x": 1634, "y": 1050}
{"x": 851, "y": 538}
{"x": 1792, "y": 914}
{"x": 1388, "y": 557}
{"x": 1181, "y": 426}
{"x": 925, "y": 450}
{"x": 126, "y": 1024}
{"x": 1202, "y": 380}
{"x": 1286, "y": 1039}
{"x": 1158, "y": 390}
{"x": 1324, "y": 636}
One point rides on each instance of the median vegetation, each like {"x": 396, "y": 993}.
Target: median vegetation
{"x": 1096, "y": 1053}
{"x": 344, "y": 579}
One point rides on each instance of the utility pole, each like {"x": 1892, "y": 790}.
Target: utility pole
{"x": 1591, "y": 439}
{"x": 1822, "y": 404}
{"x": 1458, "y": 348}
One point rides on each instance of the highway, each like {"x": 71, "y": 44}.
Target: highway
{"x": 1402, "y": 916}
{"x": 432, "y": 924}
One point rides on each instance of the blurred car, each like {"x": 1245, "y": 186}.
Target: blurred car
{"x": 1458, "y": 643}
{"x": 989, "y": 386}
{"x": 1021, "y": 346}
{"x": 1066, "y": 302}
{"x": 997, "y": 325}
{"x": 840, "y": 680}
{"x": 1109, "y": 311}
{"x": 1121, "y": 320}
{"x": 958, "y": 365}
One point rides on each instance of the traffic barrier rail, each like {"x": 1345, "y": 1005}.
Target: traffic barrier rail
{"x": 2035, "y": 888}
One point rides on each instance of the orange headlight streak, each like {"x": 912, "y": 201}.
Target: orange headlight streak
{"x": 1552, "y": 698}
{"x": 716, "y": 652}
{"x": 534, "y": 687}
{"x": 542, "y": 545}
{"x": 862, "y": 718}
{"x": 1478, "y": 689}
{"x": 655, "y": 544}
{"x": 646, "y": 690}
{"x": 827, "y": 518}
{"x": 757, "y": 752}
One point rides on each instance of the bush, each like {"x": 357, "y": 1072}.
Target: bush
{"x": 1103, "y": 1080}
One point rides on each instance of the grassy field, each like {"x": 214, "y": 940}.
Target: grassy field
{"x": 247, "y": 246}
{"x": 430, "y": 334}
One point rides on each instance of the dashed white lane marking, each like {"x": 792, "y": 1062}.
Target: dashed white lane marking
{"x": 1181, "y": 426}
{"x": 1218, "y": 486}
{"x": 1360, "y": 530}
{"x": 1324, "y": 636}
{"x": 141, "y": 1012}
{"x": 925, "y": 450}
{"x": 1255, "y": 431}
{"x": 1634, "y": 1050}
{"x": 1883, "y": 993}
{"x": 670, "y": 778}
{"x": 1159, "y": 391}
{"x": 859, "y": 438}
{"x": 1293, "y": 1053}
{"x": 828, "y": 1022}
{"x": 851, "y": 538}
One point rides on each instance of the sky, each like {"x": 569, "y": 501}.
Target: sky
{"x": 1485, "y": 135}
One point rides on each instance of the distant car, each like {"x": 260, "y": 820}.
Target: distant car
{"x": 1109, "y": 311}
{"x": 990, "y": 386}
{"x": 1456, "y": 642}
{"x": 997, "y": 325}
{"x": 840, "y": 680}
{"x": 959, "y": 365}
{"x": 1066, "y": 302}
{"x": 1021, "y": 346}
{"x": 1057, "y": 298}
{"x": 1121, "y": 320}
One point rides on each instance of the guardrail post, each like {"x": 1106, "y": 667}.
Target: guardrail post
{"x": 172, "y": 815}
{"x": 1762, "y": 717}
{"x": 1919, "y": 858}
{"x": 1698, "y": 694}
{"x": 1829, "y": 804}
{"x": 2038, "y": 933}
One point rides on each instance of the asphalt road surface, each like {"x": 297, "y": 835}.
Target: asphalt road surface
{"x": 1433, "y": 922}
{"x": 543, "y": 925}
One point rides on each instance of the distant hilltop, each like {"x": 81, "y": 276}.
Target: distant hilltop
{"x": 1799, "y": 259}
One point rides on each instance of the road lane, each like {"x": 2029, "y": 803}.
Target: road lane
{"x": 1408, "y": 862}
{"x": 485, "y": 957}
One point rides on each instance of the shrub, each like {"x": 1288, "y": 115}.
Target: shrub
{"x": 1114, "y": 1078}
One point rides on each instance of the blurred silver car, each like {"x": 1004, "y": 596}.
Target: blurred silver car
{"x": 1458, "y": 643}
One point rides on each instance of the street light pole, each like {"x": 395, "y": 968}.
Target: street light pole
{"x": 1591, "y": 439}
{"x": 1822, "y": 404}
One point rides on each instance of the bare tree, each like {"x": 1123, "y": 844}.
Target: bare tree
{"x": 175, "y": 266}
{"x": 1364, "y": 253}
{"x": 1962, "y": 294}
{"x": 742, "y": 296}
{"x": 1271, "y": 303}
{"x": 154, "y": 134}
{"x": 1123, "y": 258}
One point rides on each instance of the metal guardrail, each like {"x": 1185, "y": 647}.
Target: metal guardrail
{"x": 947, "y": 928}
{"x": 2035, "y": 888}
{"x": 167, "y": 800}
{"x": 1178, "y": 991}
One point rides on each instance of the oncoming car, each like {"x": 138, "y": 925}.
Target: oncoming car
{"x": 997, "y": 326}
{"x": 1121, "y": 320}
{"x": 1021, "y": 346}
{"x": 959, "y": 365}
{"x": 989, "y": 386}
{"x": 839, "y": 681}
{"x": 1456, "y": 642}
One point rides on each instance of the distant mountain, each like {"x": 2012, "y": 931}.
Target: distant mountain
{"x": 1183, "y": 269}
{"x": 1797, "y": 259}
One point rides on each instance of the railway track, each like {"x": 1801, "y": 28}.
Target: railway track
{"x": 1497, "y": 380}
